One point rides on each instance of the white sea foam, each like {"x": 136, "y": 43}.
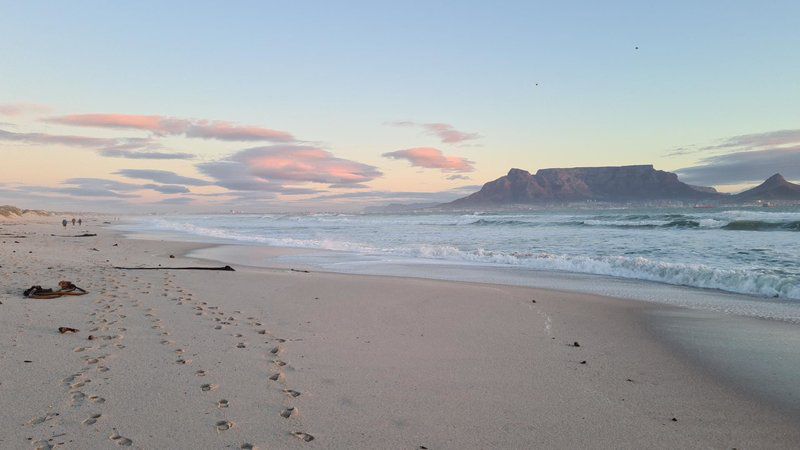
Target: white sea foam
{"x": 688, "y": 249}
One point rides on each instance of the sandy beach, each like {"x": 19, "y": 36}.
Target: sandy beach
{"x": 276, "y": 358}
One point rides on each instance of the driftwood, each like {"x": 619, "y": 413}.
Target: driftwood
{"x": 74, "y": 235}
{"x": 225, "y": 268}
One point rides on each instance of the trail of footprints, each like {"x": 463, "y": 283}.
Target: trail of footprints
{"x": 220, "y": 320}
{"x": 106, "y": 323}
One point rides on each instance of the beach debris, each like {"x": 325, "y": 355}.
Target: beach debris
{"x": 27, "y": 361}
{"x": 533, "y": 301}
{"x": 115, "y": 245}
{"x": 64, "y": 330}
{"x": 583, "y": 362}
{"x": 300, "y": 270}
{"x": 74, "y": 235}
{"x": 91, "y": 337}
{"x": 172, "y": 256}
{"x": 65, "y": 288}
{"x": 575, "y": 344}
{"x": 224, "y": 268}
{"x": 674, "y": 419}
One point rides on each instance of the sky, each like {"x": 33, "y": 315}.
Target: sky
{"x": 319, "y": 105}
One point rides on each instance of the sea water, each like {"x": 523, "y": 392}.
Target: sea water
{"x": 750, "y": 251}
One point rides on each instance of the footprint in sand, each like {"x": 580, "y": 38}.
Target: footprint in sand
{"x": 275, "y": 350}
{"x": 44, "y": 418}
{"x": 208, "y": 387}
{"x": 123, "y": 441}
{"x": 222, "y": 403}
{"x": 240, "y": 345}
{"x": 200, "y": 373}
{"x": 97, "y": 399}
{"x": 304, "y": 436}
{"x": 248, "y": 446}
{"x": 182, "y": 361}
{"x": 91, "y": 420}
{"x": 42, "y": 445}
{"x": 223, "y": 425}
{"x": 288, "y": 412}
{"x": 276, "y": 377}
{"x": 291, "y": 393}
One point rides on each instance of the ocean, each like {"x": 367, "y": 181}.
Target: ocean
{"x": 749, "y": 251}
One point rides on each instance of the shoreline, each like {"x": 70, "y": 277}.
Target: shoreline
{"x": 379, "y": 361}
{"x": 263, "y": 255}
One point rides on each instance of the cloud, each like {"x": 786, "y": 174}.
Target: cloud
{"x": 167, "y": 188}
{"x": 171, "y": 126}
{"x": 458, "y": 177}
{"x": 161, "y": 176}
{"x": 759, "y": 140}
{"x": 55, "y": 139}
{"x": 176, "y": 201}
{"x": 270, "y": 168}
{"x": 446, "y": 133}
{"x": 134, "y": 154}
{"x": 744, "y": 142}
{"x": 744, "y": 167}
{"x": 432, "y": 158}
{"x": 19, "y": 109}
{"x": 101, "y": 187}
{"x": 132, "y": 148}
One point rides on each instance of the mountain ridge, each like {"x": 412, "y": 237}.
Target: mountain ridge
{"x": 612, "y": 184}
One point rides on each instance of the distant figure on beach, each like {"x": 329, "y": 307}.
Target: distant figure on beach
{"x": 80, "y": 221}
{"x": 64, "y": 222}
{"x": 73, "y": 221}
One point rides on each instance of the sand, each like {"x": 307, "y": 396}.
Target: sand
{"x": 274, "y": 358}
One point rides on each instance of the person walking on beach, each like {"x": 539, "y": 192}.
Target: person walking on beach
{"x": 73, "y": 221}
{"x": 80, "y": 221}
{"x": 64, "y": 222}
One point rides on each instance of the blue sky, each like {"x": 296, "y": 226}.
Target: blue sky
{"x": 543, "y": 84}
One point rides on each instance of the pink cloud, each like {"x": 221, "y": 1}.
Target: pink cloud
{"x": 432, "y": 158}
{"x": 269, "y": 168}
{"x": 166, "y": 126}
{"x": 18, "y": 109}
{"x": 446, "y": 133}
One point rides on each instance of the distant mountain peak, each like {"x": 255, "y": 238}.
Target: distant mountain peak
{"x": 514, "y": 173}
{"x": 777, "y": 178}
{"x": 609, "y": 184}
{"x": 774, "y": 188}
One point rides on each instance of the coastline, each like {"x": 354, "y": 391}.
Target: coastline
{"x": 380, "y": 362}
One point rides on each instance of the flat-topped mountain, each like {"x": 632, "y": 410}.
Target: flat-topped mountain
{"x": 607, "y": 184}
{"x": 775, "y": 188}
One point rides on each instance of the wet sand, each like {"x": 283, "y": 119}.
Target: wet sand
{"x": 274, "y": 358}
